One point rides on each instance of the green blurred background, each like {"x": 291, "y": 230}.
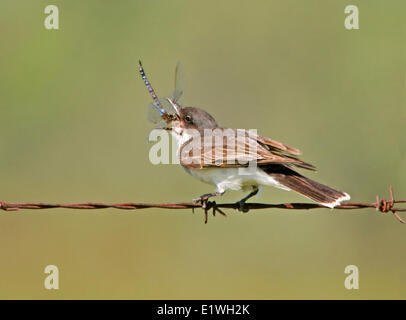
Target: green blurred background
{"x": 73, "y": 128}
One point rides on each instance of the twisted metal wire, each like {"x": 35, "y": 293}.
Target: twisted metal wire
{"x": 382, "y": 205}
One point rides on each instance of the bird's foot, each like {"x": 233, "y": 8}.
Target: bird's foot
{"x": 242, "y": 206}
{"x": 207, "y": 205}
{"x": 204, "y": 199}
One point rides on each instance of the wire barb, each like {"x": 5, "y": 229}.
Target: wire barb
{"x": 382, "y": 205}
{"x": 385, "y": 206}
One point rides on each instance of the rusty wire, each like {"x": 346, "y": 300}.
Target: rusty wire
{"x": 382, "y": 205}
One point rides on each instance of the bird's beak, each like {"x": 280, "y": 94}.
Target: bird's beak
{"x": 174, "y": 116}
{"x": 175, "y": 106}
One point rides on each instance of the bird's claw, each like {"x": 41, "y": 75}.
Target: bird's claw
{"x": 207, "y": 205}
{"x": 203, "y": 200}
{"x": 242, "y": 206}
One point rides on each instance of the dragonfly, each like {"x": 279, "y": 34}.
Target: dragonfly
{"x": 160, "y": 111}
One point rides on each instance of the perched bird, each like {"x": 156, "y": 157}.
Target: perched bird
{"x": 233, "y": 159}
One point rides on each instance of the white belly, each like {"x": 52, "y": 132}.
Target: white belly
{"x": 235, "y": 178}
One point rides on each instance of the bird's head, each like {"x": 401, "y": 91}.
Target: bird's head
{"x": 190, "y": 118}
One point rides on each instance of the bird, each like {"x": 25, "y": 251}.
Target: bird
{"x": 237, "y": 159}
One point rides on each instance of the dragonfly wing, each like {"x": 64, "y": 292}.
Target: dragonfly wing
{"x": 179, "y": 83}
{"x": 153, "y": 114}
{"x": 167, "y": 106}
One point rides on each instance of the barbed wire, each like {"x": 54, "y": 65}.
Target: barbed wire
{"x": 382, "y": 205}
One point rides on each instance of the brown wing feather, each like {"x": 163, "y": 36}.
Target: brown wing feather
{"x": 278, "y": 145}
{"x": 234, "y": 152}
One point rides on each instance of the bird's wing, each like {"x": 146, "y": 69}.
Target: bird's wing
{"x": 279, "y": 148}
{"x": 233, "y": 149}
{"x": 273, "y": 144}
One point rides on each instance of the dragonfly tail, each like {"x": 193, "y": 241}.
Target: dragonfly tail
{"x": 151, "y": 91}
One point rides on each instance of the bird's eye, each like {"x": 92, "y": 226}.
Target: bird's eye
{"x": 188, "y": 119}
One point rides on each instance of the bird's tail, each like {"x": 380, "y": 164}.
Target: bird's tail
{"x": 318, "y": 192}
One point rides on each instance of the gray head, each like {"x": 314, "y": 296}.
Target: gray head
{"x": 193, "y": 118}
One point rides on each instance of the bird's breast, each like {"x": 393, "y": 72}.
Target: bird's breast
{"x": 233, "y": 178}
